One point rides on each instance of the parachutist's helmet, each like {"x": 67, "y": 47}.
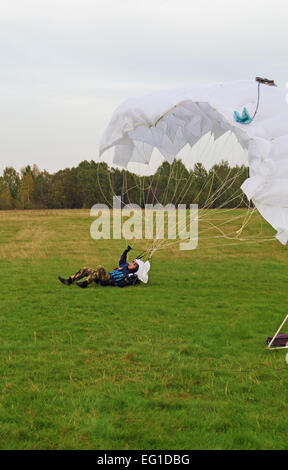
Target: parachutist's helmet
{"x": 135, "y": 268}
{"x": 142, "y": 272}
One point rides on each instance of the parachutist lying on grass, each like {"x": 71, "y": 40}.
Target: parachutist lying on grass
{"x": 126, "y": 274}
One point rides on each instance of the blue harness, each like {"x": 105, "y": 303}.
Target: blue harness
{"x": 117, "y": 275}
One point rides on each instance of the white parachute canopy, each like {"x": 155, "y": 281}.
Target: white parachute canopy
{"x": 169, "y": 119}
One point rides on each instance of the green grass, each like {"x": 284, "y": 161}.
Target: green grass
{"x": 179, "y": 363}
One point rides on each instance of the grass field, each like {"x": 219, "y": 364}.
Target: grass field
{"x": 179, "y": 363}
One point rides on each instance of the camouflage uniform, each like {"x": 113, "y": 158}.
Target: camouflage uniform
{"x": 97, "y": 274}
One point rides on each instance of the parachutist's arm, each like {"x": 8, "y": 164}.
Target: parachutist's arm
{"x": 123, "y": 259}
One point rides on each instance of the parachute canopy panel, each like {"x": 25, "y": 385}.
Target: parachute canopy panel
{"x": 170, "y": 119}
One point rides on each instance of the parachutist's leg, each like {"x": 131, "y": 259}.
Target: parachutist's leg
{"x": 79, "y": 275}
{"x": 102, "y": 274}
{"x": 83, "y": 272}
{"x": 92, "y": 275}
{"x": 67, "y": 282}
{"x": 98, "y": 274}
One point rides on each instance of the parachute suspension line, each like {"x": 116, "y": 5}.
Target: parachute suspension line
{"x": 100, "y": 187}
{"x": 228, "y": 182}
{"x": 204, "y": 212}
{"x": 229, "y": 200}
{"x": 141, "y": 255}
{"x": 185, "y": 191}
{"x": 161, "y": 244}
{"x": 158, "y": 244}
{"x": 154, "y": 245}
{"x": 210, "y": 199}
{"x": 147, "y": 253}
{"x": 248, "y": 215}
{"x": 258, "y": 100}
{"x": 245, "y": 222}
{"x": 235, "y": 242}
{"x": 230, "y": 235}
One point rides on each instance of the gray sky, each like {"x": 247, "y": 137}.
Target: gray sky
{"x": 66, "y": 64}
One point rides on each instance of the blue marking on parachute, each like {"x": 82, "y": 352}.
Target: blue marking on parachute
{"x": 244, "y": 119}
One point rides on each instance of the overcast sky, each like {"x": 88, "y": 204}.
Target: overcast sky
{"x": 66, "y": 64}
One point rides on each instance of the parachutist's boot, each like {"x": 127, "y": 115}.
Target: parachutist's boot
{"x": 82, "y": 284}
{"x": 67, "y": 282}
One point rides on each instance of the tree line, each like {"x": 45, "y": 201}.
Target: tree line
{"x": 92, "y": 183}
